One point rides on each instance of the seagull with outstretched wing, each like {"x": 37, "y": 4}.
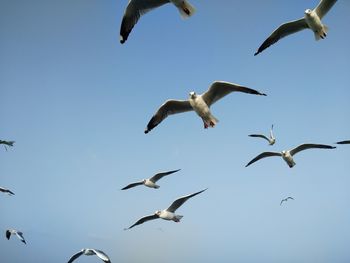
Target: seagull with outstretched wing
{"x": 167, "y": 214}
{"x": 288, "y": 155}
{"x": 270, "y": 139}
{"x": 6, "y": 191}
{"x": 19, "y": 234}
{"x": 151, "y": 182}
{"x": 90, "y": 252}
{"x": 311, "y": 20}
{"x": 199, "y": 103}
{"x": 286, "y": 199}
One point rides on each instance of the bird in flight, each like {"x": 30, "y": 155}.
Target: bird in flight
{"x": 6, "y": 191}
{"x": 286, "y": 199}
{"x": 7, "y": 143}
{"x": 199, "y": 103}
{"x": 311, "y": 20}
{"x": 151, "y": 182}
{"x": 90, "y": 252}
{"x": 288, "y": 155}
{"x": 19, "y": 234}
{"x": 169, "y": 213}
{"x": 137, "y": 8}
{"x": 270, "y": 139}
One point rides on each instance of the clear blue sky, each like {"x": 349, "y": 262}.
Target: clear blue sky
{"x": 76, "y": 102}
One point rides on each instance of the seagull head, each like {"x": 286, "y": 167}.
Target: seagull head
{"x": 284, "y": 153}
{"x": 308, "y": 12}
{"x": 193, "y": 95}
{"x": 158, "y": 212}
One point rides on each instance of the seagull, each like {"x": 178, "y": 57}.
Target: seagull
{"x": 8, "y": 143}
{"x": 343, "y": 142}
{"x": 7, "y": 191}
{"x": 150, "y": 182}
{"x": 19, "y": 234}
{"x": 311, "y": 20}
{"x": 286, "y": 199}
{"x": 199, "y": 103}
{"x": 288, "y": 155}
{"x": 271, "y": 140}
{"x": 169, "y": 213}
{"x": 91, "y": 252}
{"x": 136, "y": 8}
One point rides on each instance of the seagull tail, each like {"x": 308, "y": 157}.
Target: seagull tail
{"x": 186, "y": 9}
{"x": 322, "y": 34}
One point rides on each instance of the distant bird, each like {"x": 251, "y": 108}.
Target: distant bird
{"x": 19, "y": 234}
{"x": 169, "y": 213}
{"x": 137, "y": 8}
{"x": 311, "y": 20}
{"x": 344, "y": 142}
{"x": 7, "y": 191}
{"x": 288, "y": 155}
{"x": 7, "y": 143}
{"x": 286, "y": 199}
{"x": 271, "y": 139}
{"x": 199, "y": 103}
{"x": 150, "y": 182}
{"x": 91, "y": 252}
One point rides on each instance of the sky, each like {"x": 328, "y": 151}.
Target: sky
{"x": 76, "y": 102}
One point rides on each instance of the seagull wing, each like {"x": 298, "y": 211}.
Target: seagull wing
{"x": 323, "y": 7}
{"x": 259, "y": 136}
{"x": 179, "y": 202}
{"x": 143, "y": 220}
{"x": 8, "y": 234}
{"x": 263, "y": 155}
{"x": 168, "y": 108}
{"x": 133, "y": 12}
{"x": 283, "y": 31}
{"x": 282, "y": 201}
{"x": 74, "y": 257}
{"x": 158, "y": 176}
{"x": 220, "y": 89}
{"x": 132, "y": 185}
{"x": 289, "y": 197}
{"x": 101, "y": 255}
{"x": 344, "y": 142}
{"x": 310, "y": 146}
{"x": 271, "y": 132}
{"x": 20, "y": 236}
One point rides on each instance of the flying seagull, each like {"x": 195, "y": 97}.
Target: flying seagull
{"x": 169, "y": 213}
{"x": 344, "y": 142}
{"x": 150, "y": 182}
{"x": 19, "y": 234}
{"x": 199, "y": 103}
{"x": 91, "y": 252}
{"x": 7, "y": 191}
{"x": 271, "y": 139}
{"x": 311, "y": 20}
{"x": 286, "y": 199}
{"x": 288, "y": 155}
{"x": 136, "y": 8}
{"x": 7, "y": 143}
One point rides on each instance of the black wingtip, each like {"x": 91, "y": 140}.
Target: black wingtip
{"x": 146, "y": 131}
{"x": 256, "y": 53}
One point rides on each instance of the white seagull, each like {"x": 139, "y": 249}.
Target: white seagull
{"x": 288, "y": 155}
{"x": 344, "y": 142}
{"x": 286, "y": 199}
{"x": 6, "y": 191}
{"x": 137, "y": 8}
{"x": 19, "y": 234}
{"x": 271, "y": 139}
{"x": 91, "y": 252}
{"x": 150, "y": 182}
{"x": 169, "y": 213}
{"x": 199, "y": 103}
{"x": 311, "y": 20}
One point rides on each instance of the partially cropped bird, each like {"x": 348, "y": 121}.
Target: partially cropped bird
{"x": 90, "y": 252}
{"x": 6, "y": 191}
{"x": 344, "y": 142}
{"x": 270, "y": 139}
{"x": 7, "y": 143}
{"x": 19, "y": 234}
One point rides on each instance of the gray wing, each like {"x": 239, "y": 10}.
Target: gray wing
{"x": 289, "y": 197}
{"x": 220, "y": 89}
{"x": 20, "y": 236}
{"x": 74, "y": 257}
{"x": 179, "y": 202}
{"x": 259, "y": 136}
{"x": 168, "y": 108}
{"x": 158, "y": 176}
{"x": 310, "y": 146}
{"x": 8, "y": 143}
{"x": 132, "y": 185}
{"x": 133, "y": 12}
{"x": 263, "y": 155}
{"x": 344, "y": 142}
{"x": 323, "y": 7}
{"x": 101, "y": 255}
{"x": 281, "y": 32}
{"x": 143, "y": 219}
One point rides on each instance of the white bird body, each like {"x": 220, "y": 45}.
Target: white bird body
{"x": 288, "y": 158}
{"x": 166, "y": 215}
{"x": 202, "y": 109}
{"x": 90, "y": 252}
{"x": 315, "y": 24}
{"x": 149, "y": 183}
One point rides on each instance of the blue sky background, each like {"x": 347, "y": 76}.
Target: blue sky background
{"x": 76, "y": 102}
